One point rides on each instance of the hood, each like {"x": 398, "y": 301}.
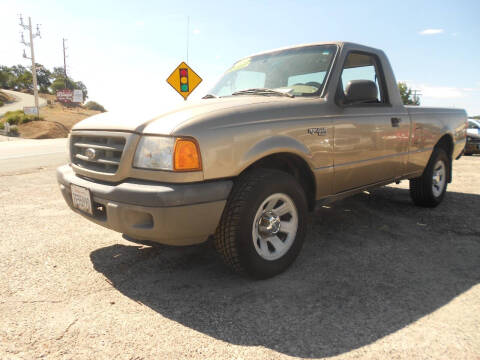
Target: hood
{"x": 165, "y": 123}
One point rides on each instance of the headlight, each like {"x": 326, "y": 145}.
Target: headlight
{"x": 167, "y": 153}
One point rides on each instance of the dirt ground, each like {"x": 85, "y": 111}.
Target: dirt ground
{"x": 377, "y": 279}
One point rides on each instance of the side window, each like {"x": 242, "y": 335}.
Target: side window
{"x": 360, "y": 66}
{"x": 472, "y": 125}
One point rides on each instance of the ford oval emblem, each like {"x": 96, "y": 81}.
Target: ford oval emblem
{"x": 91, "y": 154}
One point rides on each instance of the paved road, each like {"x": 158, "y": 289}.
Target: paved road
{"x": 27, "y": 155}
{"x": 378, "y": 278}
{"x": 21, "y": 101}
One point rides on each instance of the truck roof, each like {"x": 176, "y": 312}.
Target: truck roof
{"x": 340, "y": 44}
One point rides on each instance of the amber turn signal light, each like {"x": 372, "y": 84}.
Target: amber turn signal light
{"x": 186, "y": 155}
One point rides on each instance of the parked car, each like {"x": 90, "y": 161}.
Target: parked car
{"x": 473, "y": 137}
{"x": 280, "y": 133}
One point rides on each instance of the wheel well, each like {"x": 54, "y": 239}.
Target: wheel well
{"x": 293, "y": 165}
{"x": 446, "y": 143}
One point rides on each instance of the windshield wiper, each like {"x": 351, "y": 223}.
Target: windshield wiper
{"x": 262, "y": 91}
{"x": 209, "y": 96}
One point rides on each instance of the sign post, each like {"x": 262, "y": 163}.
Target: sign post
{"x": 184, "y": 80}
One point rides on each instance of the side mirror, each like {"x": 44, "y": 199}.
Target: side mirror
{"x": 361, "y": 91}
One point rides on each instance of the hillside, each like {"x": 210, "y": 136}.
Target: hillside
{"x": 57, "y": 120}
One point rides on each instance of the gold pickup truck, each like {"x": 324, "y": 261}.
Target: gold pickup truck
{"x": 280, "y": 132}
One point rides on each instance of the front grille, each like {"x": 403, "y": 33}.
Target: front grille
{"x": 97, "y": 153}
{"x": 472, "y": 140}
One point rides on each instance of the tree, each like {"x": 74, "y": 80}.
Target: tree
{"x": 59, "y": 84}
{"x": 81, "y": 86}
{"x": 43, "y": 78}
{"x": 5, "y": 77}
{"x": 18, "y": 77}
{"x": 25, "y": 81}
{"x": 58, "y": 72}
{"x": 406, "y": 94}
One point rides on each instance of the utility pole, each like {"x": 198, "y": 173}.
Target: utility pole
{"x": 32, "y": 54}
{"x": 65, "y": 62}
{"x": 416, "y": 95}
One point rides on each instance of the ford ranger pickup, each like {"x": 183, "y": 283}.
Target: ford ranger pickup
{"x": 280, "y": 132}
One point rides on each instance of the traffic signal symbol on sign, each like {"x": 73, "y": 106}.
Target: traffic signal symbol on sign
{"x": 184, "y": 80}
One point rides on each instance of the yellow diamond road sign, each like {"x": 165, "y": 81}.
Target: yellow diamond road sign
{"x": 184, "y": 80}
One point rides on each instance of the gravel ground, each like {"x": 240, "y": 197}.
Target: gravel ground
{"x": 377, "y": 279}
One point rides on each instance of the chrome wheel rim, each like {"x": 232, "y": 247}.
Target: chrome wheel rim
{"x": 438, "y": 178}
{"x": 275, "y": 226}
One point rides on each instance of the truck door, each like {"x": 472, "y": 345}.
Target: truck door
{"x": 371, "y": 138}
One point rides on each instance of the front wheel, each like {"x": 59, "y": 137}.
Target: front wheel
{"x": 264, "y": 223}
{"x": 429, "y": 189}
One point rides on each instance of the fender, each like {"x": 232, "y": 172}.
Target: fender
{"x": 274, "y": 145}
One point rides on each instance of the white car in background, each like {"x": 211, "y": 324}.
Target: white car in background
{"x": 473, "y": 137}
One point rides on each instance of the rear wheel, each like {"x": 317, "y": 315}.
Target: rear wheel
{"x": 429, "y": 189}
{"x": 264, "y": 223}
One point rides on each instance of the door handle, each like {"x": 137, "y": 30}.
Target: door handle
{"x": 395, "y": 121}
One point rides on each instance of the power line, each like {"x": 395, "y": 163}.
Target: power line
{"x": 32, "y": 53}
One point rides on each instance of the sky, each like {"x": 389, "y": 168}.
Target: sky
{"x": 125, "y": 50}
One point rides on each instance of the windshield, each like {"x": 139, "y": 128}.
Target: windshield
{"x": 299, "y": 72}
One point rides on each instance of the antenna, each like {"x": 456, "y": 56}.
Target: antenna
{"x": 188, "y": 34}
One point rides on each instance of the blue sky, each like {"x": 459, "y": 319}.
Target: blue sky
{"x": 124, "y": 50}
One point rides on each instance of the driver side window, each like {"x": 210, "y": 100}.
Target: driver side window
{"x": 361, "y": 66}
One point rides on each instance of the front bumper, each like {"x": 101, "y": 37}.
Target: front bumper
{"x": 173, "y": 214}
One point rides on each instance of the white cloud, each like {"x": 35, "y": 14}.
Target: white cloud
{"x": 196, "y": 31}
{"x": 442, "y": 92}
{"x": 431, "y": 31}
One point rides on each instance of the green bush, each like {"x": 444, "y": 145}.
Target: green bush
{"x": 92, "y": 105}
{"x": 2, "y": 126}
{"x": 13, "y": 132}
{"x": 1, "y": 103}
{"x": 18, "y": 117}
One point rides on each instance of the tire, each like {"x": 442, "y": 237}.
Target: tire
{"x": 429, "y": 189}
{"x": 247, "y": 216}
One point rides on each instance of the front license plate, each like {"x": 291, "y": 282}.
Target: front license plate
{"x": 81, "y": 199}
